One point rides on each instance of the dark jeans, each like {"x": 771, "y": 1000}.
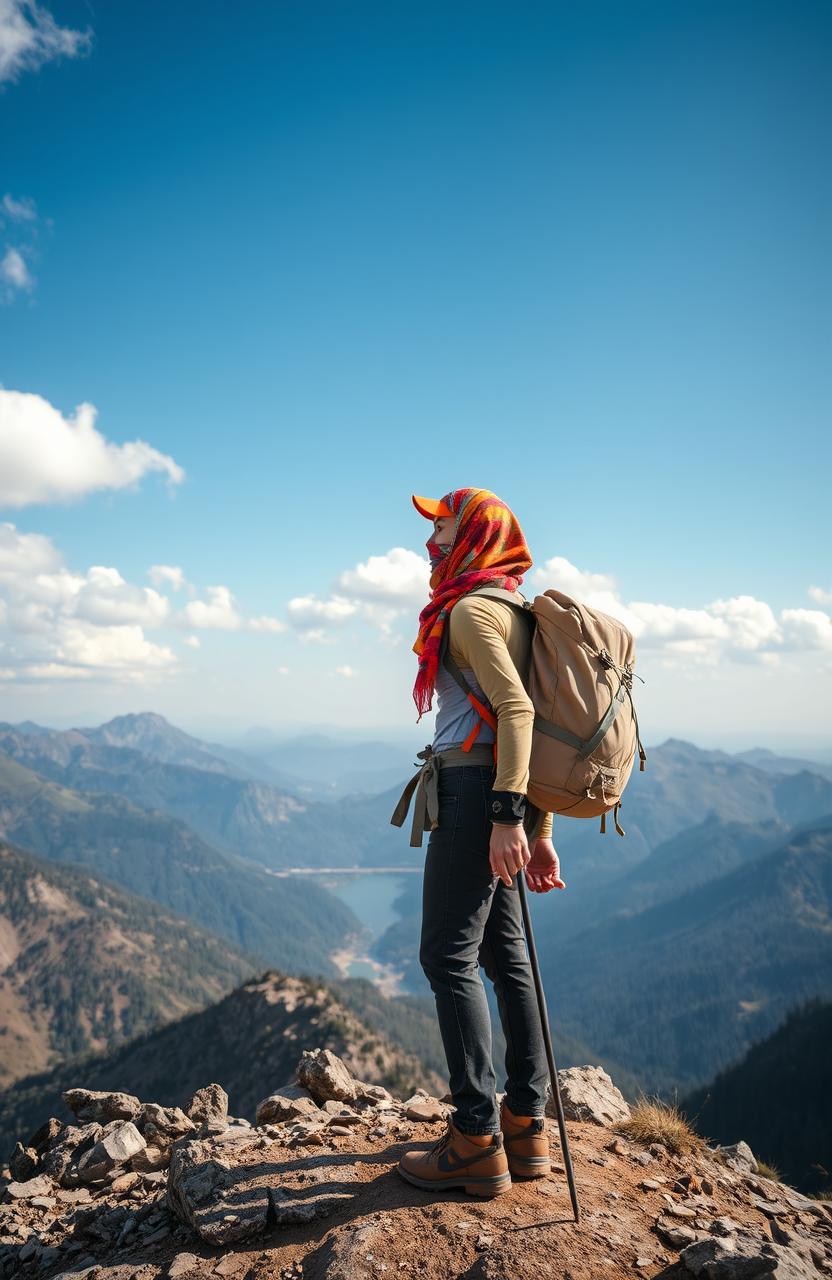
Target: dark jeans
{"x": 470, "y": 918}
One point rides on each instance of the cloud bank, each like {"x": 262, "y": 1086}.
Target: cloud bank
{"x": 60, "y": 625}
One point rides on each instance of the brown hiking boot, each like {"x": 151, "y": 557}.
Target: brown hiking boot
{"x": 476, "y": 1164}
{"x": 526, "y": 1143}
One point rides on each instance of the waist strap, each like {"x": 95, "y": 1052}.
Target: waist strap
{"x": 425, "y": 783}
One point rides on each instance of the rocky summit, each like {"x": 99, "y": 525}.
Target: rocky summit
{"x": 132, "y": 1190}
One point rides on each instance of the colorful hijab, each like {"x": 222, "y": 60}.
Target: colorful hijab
{"x": 487, "y": 546}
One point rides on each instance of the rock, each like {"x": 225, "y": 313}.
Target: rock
{"x": 163, "y": 1124}
{"x": 723, "y": 1226}
{"x": 341, "y": 1112}
{"x": 326, "y": 1075}
{"x": 289, "y": 1212}
{"x": 375, "y": 1093}
{"x": 674, "y": 1233}
{"x": 124, "y": 1183}
{"x": 116, "y": 1148}
{"x": 230, "y": 1265}
{"x": 649, "y": 1184}
{"x": 201, "y": 1193}
{"x": 681, "y": 1211}
{"x": 279, "y": 1107}
{"x": 208, "y": 1108}
{"x": 150, "y": 1158}
{"x": 744, "y": 1257}
{"x": 588, "y": 1093}
{"x": 739, "y": 1156}
{"x": 23, "y": 1162}
{"x": 76, "y": 1196}
{"x": 41, "y": 1186}
{"x": 45, "y": 1135}
{"x": 92, "y": 1104}
{"x": 183, "y": 1264}
{"x": 771, "y": 1208}
{"x": 430, "y": 1111}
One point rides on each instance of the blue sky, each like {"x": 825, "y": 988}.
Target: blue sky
{"x": 320, "y": 256}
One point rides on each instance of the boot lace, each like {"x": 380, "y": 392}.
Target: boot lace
{"x": 442, "y": 1142}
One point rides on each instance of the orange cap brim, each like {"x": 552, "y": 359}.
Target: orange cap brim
{"x": 430, "y": 508}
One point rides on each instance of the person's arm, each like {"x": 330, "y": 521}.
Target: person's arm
{"x": 479, "y": 639}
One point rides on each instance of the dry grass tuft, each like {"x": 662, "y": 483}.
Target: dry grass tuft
{"x": 767, "y": 1170}
{"x": 654, "y": 1120}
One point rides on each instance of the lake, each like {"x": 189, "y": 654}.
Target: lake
{"x": 371, "y": 896}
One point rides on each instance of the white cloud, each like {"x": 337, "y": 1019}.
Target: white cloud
{"x": 806, "y": 629}
{"x": 16, "y": 277}
{"x": 107, "y": 600}
{"x": 56, "y": 624}
{"x": 14, "y": 270}
{"x": 19, "y": 209}
{"x": 160, "y": 574}
{"x": 378, "y": 591}
{"x": 14, "y": 274}
{"x": 218, "y": 613}
{"x": 273, "y": 625}
{"x": 30, "y": 36}
{"x": 60, "y": 625}
{"x": 45, "y": 457}
{"x": 820, "y": 595}
{"x": 346, "y": 671}
{"x": 741, "y": 628}
{"x": 312, "y": 616}
{"x": 399, "y": 577}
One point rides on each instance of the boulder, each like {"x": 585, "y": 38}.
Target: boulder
{"x": 45, "y": 1135}
{"x": 23, "y": 1162}
{"x": 112, "y": 1150}
{"x": 588, "y": 1093}
{"x": 744, "y": 1257}
{"x": 69, "y": 1144}
{"x": 326, "y": 1075}
{"x": 279, "y": 1107}
{"x": 94, "y": 1104}
{"x": 208, "y": 1108}
{"x": 162, "y": 1125}
{"x": 201, "y": 1193}
{"x": 739, "y": 1156}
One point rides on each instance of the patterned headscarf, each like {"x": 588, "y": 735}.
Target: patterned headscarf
{"x": 488, "y": 546}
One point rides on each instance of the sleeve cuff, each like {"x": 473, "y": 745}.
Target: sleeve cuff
{"x": 508, "y": 807}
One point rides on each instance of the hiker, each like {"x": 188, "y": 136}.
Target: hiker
{"x": 471, "y": 910}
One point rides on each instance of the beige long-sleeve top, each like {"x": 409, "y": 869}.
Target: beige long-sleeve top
{"x": 494, "y": 640}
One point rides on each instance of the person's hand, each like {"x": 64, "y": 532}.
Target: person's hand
{"x": 543, "y": 868}
{"x": 508, "y": 850}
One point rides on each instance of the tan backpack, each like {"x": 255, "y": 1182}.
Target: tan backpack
{"x": 580, "y": 680}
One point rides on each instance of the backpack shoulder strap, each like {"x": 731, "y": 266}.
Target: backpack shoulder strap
{"x": 495, "y": 593}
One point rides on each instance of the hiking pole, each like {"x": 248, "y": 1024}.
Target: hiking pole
{"x": 547, "y": 1037}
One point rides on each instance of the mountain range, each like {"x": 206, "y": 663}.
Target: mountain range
{"x": 668, "y": 955}
{"x": 85, "y": 966}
